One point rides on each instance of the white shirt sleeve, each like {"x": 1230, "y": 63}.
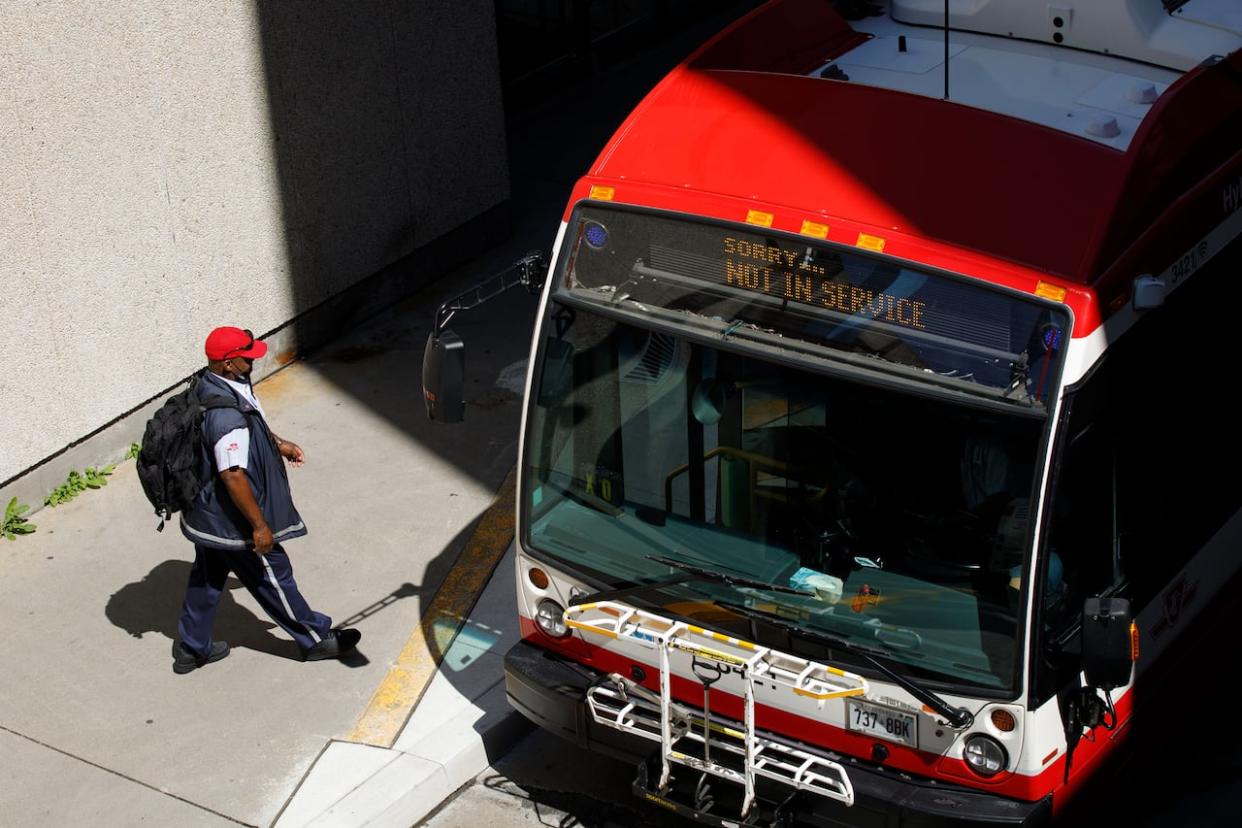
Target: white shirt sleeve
{"x": 233, "y": 449}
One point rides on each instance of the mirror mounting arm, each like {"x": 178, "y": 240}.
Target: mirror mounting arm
{"x": 528, "y": 271}
{"x": 444, "y": 357}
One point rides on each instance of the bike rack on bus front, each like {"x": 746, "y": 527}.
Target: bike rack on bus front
{"x": 625, "y": 705}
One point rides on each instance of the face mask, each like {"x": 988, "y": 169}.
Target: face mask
{"x": 240, "y": 377}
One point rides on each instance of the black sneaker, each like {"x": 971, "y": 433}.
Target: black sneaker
{"x": 340, "y": 642}
{"x": 184, "y": 661}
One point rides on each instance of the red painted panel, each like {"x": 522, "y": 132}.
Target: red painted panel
{"x": 1185, "y": 221}
{"x": 1194, "y": 128}
{"x": 742, "y": 119}
{"x": 925, "y": 167}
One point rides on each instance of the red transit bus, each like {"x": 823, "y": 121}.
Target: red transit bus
{"x": 875, "y": 442}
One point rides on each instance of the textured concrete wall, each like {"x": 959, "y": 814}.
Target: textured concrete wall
{"x": 169, "y": 167}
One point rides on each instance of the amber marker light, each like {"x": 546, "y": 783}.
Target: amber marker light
{"x": 602, "y": 193}
{"x": 1003, "y": 720}
{"x": 538, "y": 577}
{"x": 1134, "y": 641}
{"x": 870, "y": 242}
{"x": 1050, "y": 291}
{"x": 759, "y": 218}
{"x": 814, "y": 230}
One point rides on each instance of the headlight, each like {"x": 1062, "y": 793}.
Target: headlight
{"x": 985, "y": 755}
{"x": 550, "y": 616}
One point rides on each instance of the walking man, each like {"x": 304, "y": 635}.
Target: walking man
{"x": 239, "y": 520}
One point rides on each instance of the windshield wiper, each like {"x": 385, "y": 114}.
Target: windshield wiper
{"x": 690, "y": 573}
{"x": 718, "y": 577}
{"x": 958, "y": 717}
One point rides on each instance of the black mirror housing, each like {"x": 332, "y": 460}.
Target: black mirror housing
{"x": 1106, "y": 646}
{"x": 444, "y": 377}
{"x": 533, "y": 271}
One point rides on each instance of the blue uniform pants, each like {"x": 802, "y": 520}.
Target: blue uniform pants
{"x": 269, "y": 578}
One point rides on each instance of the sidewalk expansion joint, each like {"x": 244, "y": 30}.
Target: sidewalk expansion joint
{"x": 126, "y": 777}
{"x": 397, "y": 695}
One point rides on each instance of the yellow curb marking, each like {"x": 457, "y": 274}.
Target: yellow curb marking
{"x": 395, "y": 698}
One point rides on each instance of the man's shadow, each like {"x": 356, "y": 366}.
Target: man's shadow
{"x": 153, "y": 605}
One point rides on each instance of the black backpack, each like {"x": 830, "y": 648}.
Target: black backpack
{"x": 170, "y": 461}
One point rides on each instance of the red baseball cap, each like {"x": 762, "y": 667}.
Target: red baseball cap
{"x": 226, "y": 343}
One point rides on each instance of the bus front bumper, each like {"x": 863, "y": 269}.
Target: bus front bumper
{"x": 550, "y": 690}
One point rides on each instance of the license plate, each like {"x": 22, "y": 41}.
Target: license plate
{"x": 882, "y": 723}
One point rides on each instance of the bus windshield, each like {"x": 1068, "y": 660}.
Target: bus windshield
{"x": 903, "y": 517}
{"x": 820, "y": 301}
{"x": 737, "y": 399}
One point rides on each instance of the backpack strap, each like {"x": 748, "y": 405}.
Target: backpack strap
{"x": 231, "y": 400}
{"x": 221, "y": 396}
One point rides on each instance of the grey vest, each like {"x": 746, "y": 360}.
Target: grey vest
{"x": 213, "y": 520}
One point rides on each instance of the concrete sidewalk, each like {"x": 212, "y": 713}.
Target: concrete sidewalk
{"x": 462, "y": 722}
{"x": 94, "y": 726}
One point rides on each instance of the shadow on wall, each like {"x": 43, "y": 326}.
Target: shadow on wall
{"x": 391, "y": 158}
{"x": 389, "y": 132}
{"x": 336, "y": 114}
{"x": 389, "y": 147}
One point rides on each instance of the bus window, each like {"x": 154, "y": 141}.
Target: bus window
{"x": 1081, "y": 556}
{"x": 650, "y": 444}
{"x": 1082, "y": 541}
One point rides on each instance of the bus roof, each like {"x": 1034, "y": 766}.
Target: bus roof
{"x": 748, "y": 122}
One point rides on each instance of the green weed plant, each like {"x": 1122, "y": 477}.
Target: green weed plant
{"x": 90, "y": 478}
{"x": 14, "y": 524}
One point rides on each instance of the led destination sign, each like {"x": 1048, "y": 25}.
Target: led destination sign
{"x": 801, "y": 293}
{"x": 774, "y": 271}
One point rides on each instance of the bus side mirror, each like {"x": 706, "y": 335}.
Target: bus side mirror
{"x": 444, "y": 377}
{"x": 1108, "y": 646}
{"x": 444, "y": 357}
